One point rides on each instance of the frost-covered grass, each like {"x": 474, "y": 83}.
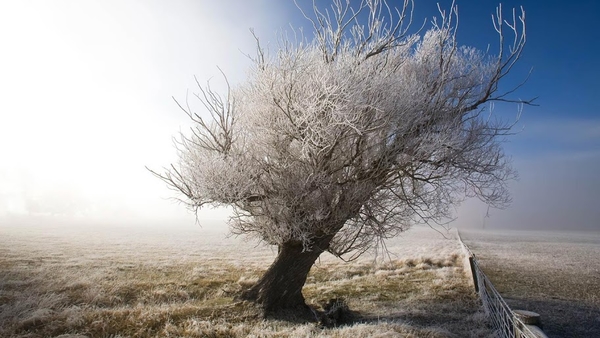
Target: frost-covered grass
{"x": 160, "y": 282}
{"x": 554, "y": 273}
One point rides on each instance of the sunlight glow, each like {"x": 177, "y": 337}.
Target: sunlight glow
{"x": 87, "y": 98}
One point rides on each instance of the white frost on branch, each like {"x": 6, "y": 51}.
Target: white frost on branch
{"x": 356, "y": 134}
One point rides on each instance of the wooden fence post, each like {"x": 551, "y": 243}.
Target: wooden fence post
{"x": 474, "y": 272}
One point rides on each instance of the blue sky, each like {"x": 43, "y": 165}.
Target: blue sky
{"x": 86, "y": 102}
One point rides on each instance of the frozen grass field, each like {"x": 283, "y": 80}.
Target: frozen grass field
{"x": 158, "y": 282}
{"x": 556, "y": 274}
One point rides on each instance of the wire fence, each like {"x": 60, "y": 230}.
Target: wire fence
{"x": 503, "y": 319}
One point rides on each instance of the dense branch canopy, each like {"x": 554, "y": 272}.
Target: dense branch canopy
{"x": 359, "y": 133}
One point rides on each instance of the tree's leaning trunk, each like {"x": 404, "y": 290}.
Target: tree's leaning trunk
{"x": 281, "y": 286}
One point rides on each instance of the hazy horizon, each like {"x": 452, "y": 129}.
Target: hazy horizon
{"x": 87, "y": 105}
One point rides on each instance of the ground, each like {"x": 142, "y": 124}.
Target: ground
{"x": 553, "y": 273}
{"x": 166, "y": 281}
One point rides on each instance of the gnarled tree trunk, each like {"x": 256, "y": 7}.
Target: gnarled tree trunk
{"x": 280, "y": 288}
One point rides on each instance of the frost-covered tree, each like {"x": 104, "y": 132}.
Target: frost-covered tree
{"x": 337, "y": 142}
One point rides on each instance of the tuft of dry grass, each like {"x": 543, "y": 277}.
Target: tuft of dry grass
{"x": 157, "y": 283}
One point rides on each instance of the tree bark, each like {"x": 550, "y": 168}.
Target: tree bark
{"x": 280, "y": 288}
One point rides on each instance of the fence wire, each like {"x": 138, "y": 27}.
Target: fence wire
{"x": 503, "y": 319}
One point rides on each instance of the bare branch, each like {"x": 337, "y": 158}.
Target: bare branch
{"x": 355, "y": 135}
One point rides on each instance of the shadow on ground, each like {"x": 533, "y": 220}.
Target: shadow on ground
{"x": 561, "y": 318}
{"x": 449, "y": 318}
